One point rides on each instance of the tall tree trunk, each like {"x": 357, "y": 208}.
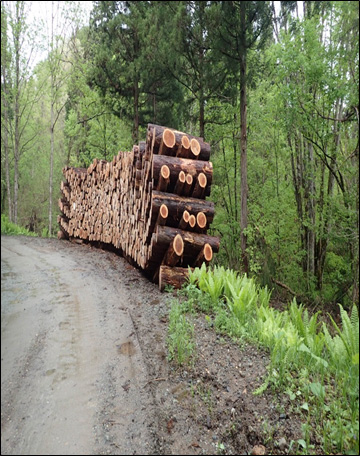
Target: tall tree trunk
{"x": 52, "y": 128}
{"x": 243, "y": 141}
{"x": 5, "y": 98}
{"x": 7, "y": 170}
{"x": 235, "y": 168}
{"x": 202, "y": 6}
{"x": 52, "y": 121}
{"x": 17, "y": 109}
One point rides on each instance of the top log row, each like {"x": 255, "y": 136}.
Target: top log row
{"x": 167, "y": 141}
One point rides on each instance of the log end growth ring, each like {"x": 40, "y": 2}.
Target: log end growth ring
{"x": 169, "y": 138}
{"x": 178, "y": 245}
{"x": 195, "y": 147}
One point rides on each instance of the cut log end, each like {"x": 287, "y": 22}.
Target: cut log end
{"x": 185, "y": 142}
{"x": 188, "y": 184}
{"x": 192, "y": 221}
{"x": 164, "y": 178}
{"x": 201, "y": 220}
{"x": 208, "y": 252}
{"x": 169, "y": 138}
{"x": 178, "y": 245}
{"x": 165, "y": 172}
{"x": 205, "y": 255}
{"x": 184, "y": 220}
{"x": 195, "y": 147}
{"x": 164, "y": 211}
{"x": 202, "y": 180}
{"x": 180, "y": 183}
{"x": 163, "y": 214}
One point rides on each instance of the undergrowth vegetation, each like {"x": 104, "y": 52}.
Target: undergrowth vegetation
{"x": 10, "y": 228}
{"x": 319, "y": 371}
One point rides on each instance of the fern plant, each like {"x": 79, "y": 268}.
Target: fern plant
{"x": 343, "y": 348}
{"x": 307, "y": 328}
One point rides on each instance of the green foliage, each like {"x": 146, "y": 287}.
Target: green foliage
{"x": 322, "y": 369}
{"x": 180, "y": 339}
{"x": 344, "y": 347}
{"x": 11, "y": 229}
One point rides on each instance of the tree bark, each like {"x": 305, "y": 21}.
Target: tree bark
{"x": 5, "y": 97}
{"x": 243, "y": 140}
{"x": 17, "y": 108}
{"x": 311, "y": 214}
{"x": 175, "y": 277}
{"x": 136, "y": 112}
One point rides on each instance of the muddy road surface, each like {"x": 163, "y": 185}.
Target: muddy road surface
{"x": 72, "y": 370}
{"x": 85, "y": 370}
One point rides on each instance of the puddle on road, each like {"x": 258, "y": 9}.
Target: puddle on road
{"x": 127, "y": 348}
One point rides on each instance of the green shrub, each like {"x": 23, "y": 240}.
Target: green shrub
{"x": 10, "y": 228}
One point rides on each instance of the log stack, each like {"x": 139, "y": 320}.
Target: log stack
{"x": 149, "y": 203}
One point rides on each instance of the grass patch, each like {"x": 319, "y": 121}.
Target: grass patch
{"x": 180, "y": 340}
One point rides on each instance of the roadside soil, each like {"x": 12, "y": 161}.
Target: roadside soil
{"x": 84, "y": 366}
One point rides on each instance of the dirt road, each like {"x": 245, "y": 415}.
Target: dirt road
{"x": 72, "y": 370}
{"x": 84, "y": 365}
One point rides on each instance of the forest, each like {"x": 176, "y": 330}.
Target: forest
{"x": 272, "y": 86}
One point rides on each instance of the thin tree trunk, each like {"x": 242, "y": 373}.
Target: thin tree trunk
{"x": 243, "y": 142}
{"x": 202, "y": 114}
{"x": 311, "y": 215}
{"x": 51, "y": 161}
{"x": 17, "y": 111}
{"x": 201, "y": 72}
{"x": 235, "y": 171}
{"x": 52, "y": 126}
{"x": 276, "y": 29}
{"x": 136, "y": 112}
{"x": 6, "y": 140}
{"x": 7, "y": 170}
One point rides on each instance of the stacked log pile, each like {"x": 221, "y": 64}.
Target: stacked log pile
{"x": 149, "y": 203}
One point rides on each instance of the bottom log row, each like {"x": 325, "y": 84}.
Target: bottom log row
{"x": 175, "y": 247}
